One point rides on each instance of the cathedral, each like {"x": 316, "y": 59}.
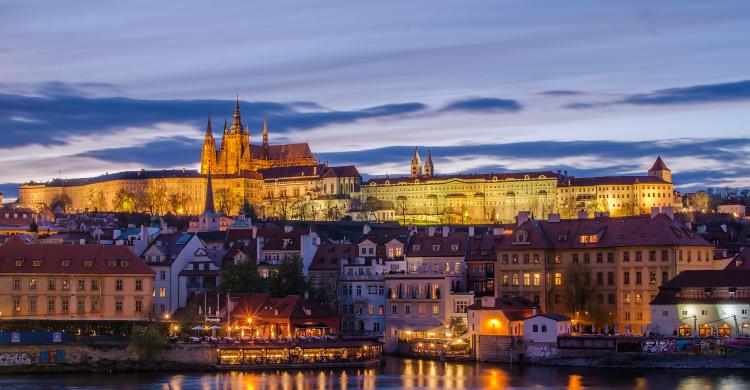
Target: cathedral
{"x": 237, "y": 155}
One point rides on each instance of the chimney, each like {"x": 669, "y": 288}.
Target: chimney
{"x": 554, "y": 217}
{"x": 669, "y": 212}
{"x": 583, "y": 214}
{"x": 471, "y": 231}
{"x": 366, "y": 229}
{"x": 533, "y": 311}
{"x": 654, "y": 212}
{"x": 430, "y": 231}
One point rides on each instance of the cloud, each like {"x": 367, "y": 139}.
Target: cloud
{"x": 562, "y": 92}
{"x": 484, "y": 105}
{"x": 695, "y": 94}
{"x": 176, "y": 151}
{"x": 64, "y": 110}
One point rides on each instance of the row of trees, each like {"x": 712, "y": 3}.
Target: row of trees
{"x": 289, "y": 279}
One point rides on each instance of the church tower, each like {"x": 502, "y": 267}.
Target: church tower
{"x": 429, "y": 169}
{"x": 660, "y": 170}
{"x": 416, "y": 164}
{"x": 208, "y": 154}
{"x": 209, "y": 219}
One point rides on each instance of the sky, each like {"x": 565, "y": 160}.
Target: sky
{"x": 591, "y": 87}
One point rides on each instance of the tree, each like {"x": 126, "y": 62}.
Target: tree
{"x": 62, "y": 201}
{"x": 699, "y": 201}
{"x": 95, "y": 200}
{"x": 579, "y": 295}
{"x": 370, "y": 208}
{"x": 241, "y": 278}
{"x": 332, "y": 211}
{"x": 148, "y": 342}
{"x": 178, "y": 202}
{"x": 289, "y": 279}
{"x": 401, "y": 208}
{"x": 124, "y": 201}
{"x": 227, "y": 201}
{"x": 568, "y": 208}
{"x": 458, "y": 326}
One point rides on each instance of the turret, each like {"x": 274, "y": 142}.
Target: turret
{"x": 660, "y": 170}
{"x": 264, "y": 145}
{"x": 429, "y": 168}
{"x": 208, "y": 154}
{"x": 237, "y": 120}
{"x": 416, "y": 164}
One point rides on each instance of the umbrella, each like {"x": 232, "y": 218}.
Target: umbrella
{"x": 615, "y": 328}
{"x": 593, "y": 329}
{"x": 197, "y": 328}
{"x": 215, "y": 327}
{"x": 580, "y": 328}
{"x": 606, "y": 329}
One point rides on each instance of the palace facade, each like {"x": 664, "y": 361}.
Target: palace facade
{"x": 278, "y": 180}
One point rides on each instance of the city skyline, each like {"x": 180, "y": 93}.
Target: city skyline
{"x": 486, "y": 87}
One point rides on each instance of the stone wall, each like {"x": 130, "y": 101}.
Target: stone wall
{"x": 507, "y": 349}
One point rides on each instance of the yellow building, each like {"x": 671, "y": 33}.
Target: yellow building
{"x": 78, "y": 282}
{"x": 601, "y": 270}
{"x": 424, "y": 198}
{"x": 618, "y": 195}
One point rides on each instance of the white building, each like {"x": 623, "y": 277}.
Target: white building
{"x": 544, "y": 328}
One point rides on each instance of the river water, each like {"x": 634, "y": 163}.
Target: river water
{"x": 398, "y": 374}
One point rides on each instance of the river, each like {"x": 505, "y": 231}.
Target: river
{"x": 397, "y": 374}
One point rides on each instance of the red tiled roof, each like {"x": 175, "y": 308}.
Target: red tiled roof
{"x": 423, "y": 244}
{"x": 659, "y": 165}
{"x": 293, "y": 307}
{"x": 53, "y": 257}
{"x": 328, "y": 256}
{"x": 741, "y": 261}
{"x": 283, "y": 151}
{"x": 341, "y": 171}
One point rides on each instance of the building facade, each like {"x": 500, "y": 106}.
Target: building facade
{"x": 73, "y": 282}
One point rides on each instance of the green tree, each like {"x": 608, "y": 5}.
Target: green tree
{"x": 289, "y": 279}
{"x": 124, "y": 201}
{"x": 241, "y": 278}
{"x": 148, "y": 342}
{"x": 62, "y": 201}
{"x": 458, "y": 326}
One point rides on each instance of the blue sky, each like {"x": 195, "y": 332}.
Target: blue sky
{"x": 586, "y": 86}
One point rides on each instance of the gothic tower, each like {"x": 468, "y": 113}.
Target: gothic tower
{"x": 660, "y": 170}
{"x": 264, "y": 145}
{"x": 234, "y": 155}
{"x": 429, "y": 169}
{"x": 208, "y": 154}
{"x": 416, "y": 164}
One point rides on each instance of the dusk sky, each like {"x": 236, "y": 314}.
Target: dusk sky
{"x": 88, "y": 87}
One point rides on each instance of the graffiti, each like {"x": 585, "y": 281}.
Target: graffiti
{"x": 658, "y": 346}
{"x": 15, "y": 359}
{"x": 541, "y": 350}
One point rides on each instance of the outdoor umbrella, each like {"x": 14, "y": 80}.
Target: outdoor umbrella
{"x": 615, "y": 328}
{"x": 593, "y": 329}
{"x": 606, "y": 329}
{"x": 197, "y": 327}
{"x": 580, "y": 329}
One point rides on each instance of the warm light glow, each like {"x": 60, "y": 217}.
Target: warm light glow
{"x": 495, "y": 322}
{"x": 249, "y": 320}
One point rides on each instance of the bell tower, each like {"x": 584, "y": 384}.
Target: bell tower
{"x": 208, "y": 154}
{"x": 660, "y": 170}
{"x": 416, "y": 164}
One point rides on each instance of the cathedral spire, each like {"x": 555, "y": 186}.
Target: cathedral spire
{"x": 237, "y": 120}
{"x": 208, "y": 128}
{"x": 429, "y": 168}
{"x": 265, "y": 132}
{"x": 416, "y": 164}
{"x": 208, "y": 209}
{"x": 226, "y": 129}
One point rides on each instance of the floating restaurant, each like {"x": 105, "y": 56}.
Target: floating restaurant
{"x": 300, "y": 354}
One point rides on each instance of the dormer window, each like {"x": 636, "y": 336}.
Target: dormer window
{"x": 37, "y": 263}
{"x": 522, "y": 236}
{"x": 588, "y": 238}
{"x": 416, "y": 247}
{"x": 19, "y": 263}
{"x": 65, "y": 263}
{"x": 88, "y": 263}
{"x": 308, "y": 312}
{"x": 112, "y": 263}
{"x": 435, "y": 248}
{"x": 454, "y": 247}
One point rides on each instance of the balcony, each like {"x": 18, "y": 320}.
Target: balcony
{"x": 364, "y": 277}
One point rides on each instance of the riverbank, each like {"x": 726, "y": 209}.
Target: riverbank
{"x": 623, "y": 360}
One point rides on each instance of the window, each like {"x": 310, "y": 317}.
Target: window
{"x": 558, "y": 278}
{"x": 544, "y": 328}
{"x": 651, "y": 255}
{"x": 611, "y": 298}
{"x": 394, "y": 309}
{"x": 407, "y": 309}
{"x": 558, "y": 298}
{"x": 94, "y": 306}
{"x": 664, "y": 277}
{"x": 526, "y": 279}
{"x": 138, "y": 306}
{"x": 665, "y": 313}
{"x": 626, "y": 256}
{"x": 505, "y": 279}
{"x": 80, "y": 306}
{"x": 600, "y": 257}
{"x": 50, "y": 284}
{"x": 515, "y": 279}
{"x": 32, "y": 284}
{"x": 81, "y": 284}
{"x": 638, "y": 278}
{"x": 536, "y": 258}
{"x": 94, "y": 285}
{"x": 535, "y": 328}
{"x": 575, "y": 257}
{"x": 610, "y": 278}
{"x": 627, "y": 297}
{"x": 526, "y": 258}
{"x": 32, "y": 304}
{"x": 626, "y": 277}
{"x": 638, "y": 256}
{"x": 359, "y": 290}
{"x": 16, "y": 284}
{"x": 65, "y": 285}
{"x": 381, "y": 310}
{"x": 162, "y": 275}
{"x": 50, "y": 305}
{"x": 505, "y": 259}
{"x": 587, "y": 258}
{"x": 162, "y": 292}
{"x": 599, "y": 279}
{"x": 138, "y": 285}
{"x": 88, "y": 263}
{"x": 118, "y": 285}
{"x": 118, "y": 306}
{"x": 64, "y": 305}
{"x": 652, "y": 278}
{"x": 435, "y": 309}
{"x": 638, "y": 299}
{"x": 610, "y": 257}
{"x": 421, "y": 309}
{"x": 664, "y": 255}
{"x": 537, "y": 278}
{"x": 16, "y": 305}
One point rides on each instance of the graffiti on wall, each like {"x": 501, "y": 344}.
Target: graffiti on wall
{"x": 658, "y": 346}
{"x": 15, "y": 359}
{"x": 541, "y": 350}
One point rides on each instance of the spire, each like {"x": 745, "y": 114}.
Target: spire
{"x": 416, "y": 164}
{"x": 428, "y": 166}
{"x": 208, "y": 209}
{"x": 208, "y": 128}
{"x": 659, "y": 165}
{"x": 265, "y": 132}
{"x": 226, "y": 129}
{"x": 237, "y": 120}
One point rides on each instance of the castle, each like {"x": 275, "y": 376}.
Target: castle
{"x": 236, "y": 154}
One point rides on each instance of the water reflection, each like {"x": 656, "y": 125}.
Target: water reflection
{"x": 398, "y": 374}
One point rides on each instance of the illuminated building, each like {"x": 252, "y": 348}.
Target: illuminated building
{"x": 73, "y": 282}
